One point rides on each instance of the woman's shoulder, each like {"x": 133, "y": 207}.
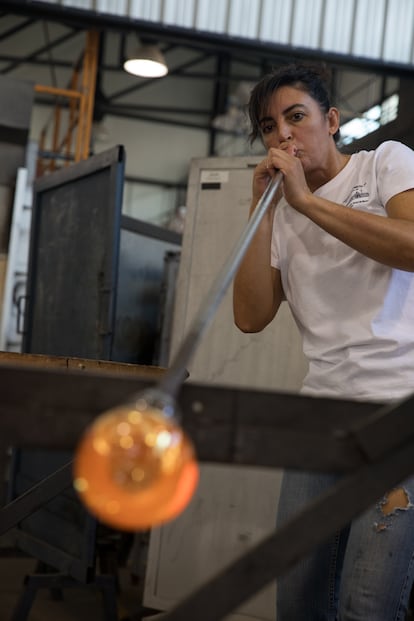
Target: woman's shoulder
{"x": 392, "y": 146}
{"x": 392, "y": 154}
{"x": 384, "y": 147}
{"x": 391, "y": 151}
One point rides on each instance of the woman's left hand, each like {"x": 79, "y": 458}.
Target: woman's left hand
{"x": 295, "y": 188}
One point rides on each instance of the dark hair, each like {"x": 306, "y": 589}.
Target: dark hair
{"x": 309, "y": 78}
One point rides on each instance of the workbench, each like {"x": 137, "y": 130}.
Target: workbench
{"x": 48, "y": 402}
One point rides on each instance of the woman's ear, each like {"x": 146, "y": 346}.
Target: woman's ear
{"x": 333, "y": 118}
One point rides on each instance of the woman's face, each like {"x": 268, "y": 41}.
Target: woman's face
{"x": 293, "y": 116}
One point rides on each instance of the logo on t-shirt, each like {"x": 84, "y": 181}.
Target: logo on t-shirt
{"x": 357, "y": 196}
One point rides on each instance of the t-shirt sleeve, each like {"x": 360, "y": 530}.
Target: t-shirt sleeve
{"x": 394, "y": 168}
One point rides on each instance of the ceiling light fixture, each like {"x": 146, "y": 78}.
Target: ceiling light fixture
{"x": 147, "y": 62}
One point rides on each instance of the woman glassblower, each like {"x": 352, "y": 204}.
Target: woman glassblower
{"x": 338, "y": 246}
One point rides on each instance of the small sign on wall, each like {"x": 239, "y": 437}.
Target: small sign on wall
{"x": 212, "y": 179}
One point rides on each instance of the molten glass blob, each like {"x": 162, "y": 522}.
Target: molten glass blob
{"x": 135, "y": 468}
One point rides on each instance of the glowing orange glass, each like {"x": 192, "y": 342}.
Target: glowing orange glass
{"x": 135, "y": 468}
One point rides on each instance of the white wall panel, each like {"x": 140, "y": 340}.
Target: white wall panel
{"x": 271, "y": 359}
{"x": 369, "y": 28}
{"x": 79, "y": 4}
{"x": 275, "y": 21}
{"x": 179, "y": 12}
{"x": 145, "y": 9}
{"x": 398, "y": 39}
{"x": 212, "y": 15}
{"x": 338, "y": 26}
{"x": 306, "y": 23}
{"x": 244, "y": 18}
{"x": 115, "y": 7}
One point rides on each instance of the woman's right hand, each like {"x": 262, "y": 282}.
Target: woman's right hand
{"x": 261, "y": 178}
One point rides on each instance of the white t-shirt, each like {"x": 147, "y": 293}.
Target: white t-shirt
{"x": 356, "y": 316}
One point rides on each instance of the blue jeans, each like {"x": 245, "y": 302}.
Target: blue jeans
{"x": 364, "y": 573}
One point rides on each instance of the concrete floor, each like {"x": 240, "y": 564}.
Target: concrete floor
{"x": 81, "y": 605}
{"x": 76, "y": 604}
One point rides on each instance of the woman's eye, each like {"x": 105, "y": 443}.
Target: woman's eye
{"x": 267, "y": 128}
{"x": 297, "y": 116}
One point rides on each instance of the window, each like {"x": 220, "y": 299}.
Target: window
{"x": 369, "y": 121}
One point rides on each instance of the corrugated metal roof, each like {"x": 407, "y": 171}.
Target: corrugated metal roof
{"x": 375, "y": 29}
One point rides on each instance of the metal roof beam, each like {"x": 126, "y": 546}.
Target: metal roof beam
{"x": 24, "y": 24}
{"x": 41, "y": 50}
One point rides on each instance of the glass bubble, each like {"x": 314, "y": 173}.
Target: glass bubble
{"x": 135, "y": 467}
